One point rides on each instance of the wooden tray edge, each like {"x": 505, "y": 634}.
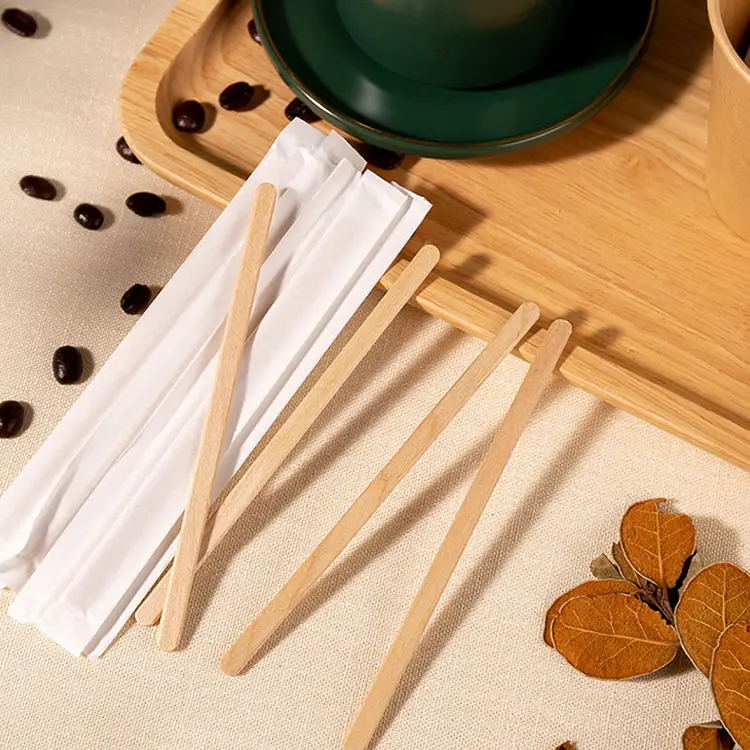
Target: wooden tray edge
{"x": 441, "y": 298}
{"x": 587, "y": 370}
{"x": 139, "y": 110}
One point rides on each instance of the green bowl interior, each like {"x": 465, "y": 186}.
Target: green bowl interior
{"x": 307, "y": 42}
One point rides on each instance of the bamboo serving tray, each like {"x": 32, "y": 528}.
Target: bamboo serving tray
{"x": 610, "y": 227}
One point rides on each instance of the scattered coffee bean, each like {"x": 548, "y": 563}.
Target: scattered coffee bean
{"x": 237, "y": 97}
{"x": 252, "y": 27}
{"x": 19, "y": 22}
{"x": 297, "y": 108}
{"x": 88, "y": 216}
{"x": 382, "y": 158}
{"x": 189, "y": 116}
{"x": 126, "y": 152}
{"x": 146, "y": 204}
{"x": 136, "y": 299}
{"x": 38, "y": 187}
{"x": 67, "y": 365}
{"x": 11, "y": 418}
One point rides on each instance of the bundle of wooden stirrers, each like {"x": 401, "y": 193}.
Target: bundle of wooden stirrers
{"x": 203, "y": 530}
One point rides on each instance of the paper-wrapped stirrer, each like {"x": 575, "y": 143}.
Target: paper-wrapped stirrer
{"x": 95, "y": 514}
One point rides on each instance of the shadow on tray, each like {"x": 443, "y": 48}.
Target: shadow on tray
{"x": 680, "y": 42}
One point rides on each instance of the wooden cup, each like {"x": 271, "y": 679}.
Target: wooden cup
{"x": 728, "y": 163}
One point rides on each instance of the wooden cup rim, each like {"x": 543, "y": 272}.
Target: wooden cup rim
{"x": 722, "y": 39}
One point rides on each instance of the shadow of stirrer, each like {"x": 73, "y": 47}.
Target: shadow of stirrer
{"x": 272, "y": 501}
{"x": 377, "y": 544}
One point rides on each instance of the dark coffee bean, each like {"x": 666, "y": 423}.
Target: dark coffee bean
{"x": 67, "y": 365}
{"x": 11, "y": 418}
{"x": 237, "y": 97}
{"x": 38, "y": 187}
{"x": 189, "y": 116}
{"x": 136, "y": 299}
{"x": 146, "y": 204}
{"x": 126, "y": 152}
{"x": 88, "y": 216}
{"x": 252, "y": 27}
{"x": 296, "y": 108}
{"x": 382, "y": 158}
{"x": 19, "y": 22}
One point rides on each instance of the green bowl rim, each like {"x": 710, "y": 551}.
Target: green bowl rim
{"x": 356, "y": 127}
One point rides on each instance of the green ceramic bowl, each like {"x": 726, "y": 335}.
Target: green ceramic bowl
{"x": 464, "y": 44}
{"x": 308, "y": 44}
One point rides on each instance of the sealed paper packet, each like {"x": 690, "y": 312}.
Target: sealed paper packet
{"x": 334, "y": 234}
{"x": 52, "y": 487}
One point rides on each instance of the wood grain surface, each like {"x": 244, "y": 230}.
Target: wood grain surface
{"x": 252, "y": 482}
{"x": 379, "y": 489}
{"x": 451, "y": 549}
{"x": 228, "y": 365}
{"x": 610, "y": 227}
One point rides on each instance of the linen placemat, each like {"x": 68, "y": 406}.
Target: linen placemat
{"x": 482, "y": 677}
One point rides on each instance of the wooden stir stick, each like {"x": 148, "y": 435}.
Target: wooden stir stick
{"x": 302, "y": 418}
{"x": 401, "y": 652}
{"x": 295, "y": 590}
{"x": 212, "y": 440}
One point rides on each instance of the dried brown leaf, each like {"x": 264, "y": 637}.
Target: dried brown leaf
{"x": 590, "y": 588}
{"x": 730, "y": 681}
{"x": 604, "y": 569}
{"x": 717, "y": 597}
{"x": 657, "y": 544}
{"x": 711, "y": 736}
{"x": 613, "y": 636}
{"x": 629, "y": 573}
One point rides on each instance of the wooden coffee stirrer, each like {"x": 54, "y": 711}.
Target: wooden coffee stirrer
{"x": 402, "y": 650}
{"x": 294, "y": 428}
{"x": 212, "y": 440}
{"x": 295, "y": 590}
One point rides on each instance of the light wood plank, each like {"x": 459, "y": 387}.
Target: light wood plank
{"x": 302, "y": 418}
{"x": 496, "y": 459}
{"x": 212, "y": 440}
{"x": 360, "y": 512}
{"x": 610, "y": 226}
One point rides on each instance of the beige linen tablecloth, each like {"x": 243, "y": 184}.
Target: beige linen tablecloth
{"x": 482, "y": 677}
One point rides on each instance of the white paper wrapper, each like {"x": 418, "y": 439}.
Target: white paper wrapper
{"x": 172, "y": 334}
{"x": 116, "y": 504}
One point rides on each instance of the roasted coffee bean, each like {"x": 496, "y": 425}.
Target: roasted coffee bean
{"x": 252, "y": 27}
{"x": 19, "y": 22}
{"x": 67, "y": 365}
{"x": 382, "y": 158}
{"x": 237, "y": 96}
{"x": 11, "y": 418}
{"x": 88, "y": 216}
{"x": 146, "y": 204}
{"x": 38, "y": 187}
{"x": 297, "y": 108}
{"x": 189, "y": 116}
{"x": 136, "y": 299}
{"x": 126, "y": 152}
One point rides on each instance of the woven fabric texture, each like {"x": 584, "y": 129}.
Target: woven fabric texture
{"x": 482, "y": 677}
